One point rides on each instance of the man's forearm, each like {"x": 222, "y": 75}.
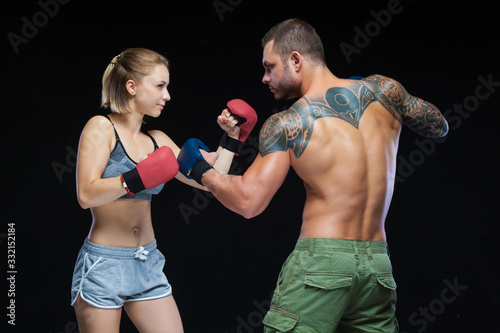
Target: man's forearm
{"x": 230, "y": 191}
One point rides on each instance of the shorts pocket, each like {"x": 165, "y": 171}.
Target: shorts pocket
{"x": 89, "y": 263}
{"x": 281, "y": 320}
{"x": 328, "y": 280}
{"x": 387, "y": 280}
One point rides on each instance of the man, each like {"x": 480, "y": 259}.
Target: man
{"x": 341, "y": 138}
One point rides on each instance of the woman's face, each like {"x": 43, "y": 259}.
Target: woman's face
{"x": 151, "y": 93}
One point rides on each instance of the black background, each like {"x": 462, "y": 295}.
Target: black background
{"x": 442, "y": 225}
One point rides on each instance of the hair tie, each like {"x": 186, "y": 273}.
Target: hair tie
{"x": 116, "y": 59}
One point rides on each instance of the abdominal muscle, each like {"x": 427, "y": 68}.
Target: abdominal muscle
{"x": 122, "y": 223}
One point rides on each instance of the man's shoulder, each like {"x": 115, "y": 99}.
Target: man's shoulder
{"x": 298, "y": 107}
{"x": 389, "y": 92}
{"x": 380, "y": 83}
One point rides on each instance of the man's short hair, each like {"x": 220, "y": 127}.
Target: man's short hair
{"x": 296, "y": 35}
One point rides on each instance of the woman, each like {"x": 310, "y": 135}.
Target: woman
{"x": 119, "y": 264}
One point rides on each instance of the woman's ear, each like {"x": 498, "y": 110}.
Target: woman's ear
{"x": 131, "y": 87}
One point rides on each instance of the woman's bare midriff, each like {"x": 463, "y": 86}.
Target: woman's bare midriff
{"x": 122, "y": 223}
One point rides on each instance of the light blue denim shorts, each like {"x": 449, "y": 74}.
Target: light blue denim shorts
{"x": 106, "y": 277}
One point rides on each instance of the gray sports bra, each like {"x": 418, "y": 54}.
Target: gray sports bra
{"x": 119, "y": 162}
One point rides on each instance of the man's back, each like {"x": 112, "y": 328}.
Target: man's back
{"x": 342, "y": 142}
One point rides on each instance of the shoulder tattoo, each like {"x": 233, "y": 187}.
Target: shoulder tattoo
{"x": 390, "y": 94}
{"x": 292, "y": 129}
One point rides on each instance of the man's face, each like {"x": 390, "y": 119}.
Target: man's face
{"x": 278, "y": 75}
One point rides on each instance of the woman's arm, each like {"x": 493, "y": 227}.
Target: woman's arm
{"x": 93, "y": 155}
{"x": 228, "y": 123}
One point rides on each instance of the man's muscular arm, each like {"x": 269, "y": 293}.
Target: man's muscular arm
{"x": 420, "y": 116}
{"x": 249, "y": 194}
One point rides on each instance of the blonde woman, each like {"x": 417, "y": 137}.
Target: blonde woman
{"x": 120, "y": 166}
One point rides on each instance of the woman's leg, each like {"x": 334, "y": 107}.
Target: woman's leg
{"x": 94, "y": 320}
{"x": 157, "y": 315}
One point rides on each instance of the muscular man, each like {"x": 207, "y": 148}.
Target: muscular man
{"x": 341, "y": 138}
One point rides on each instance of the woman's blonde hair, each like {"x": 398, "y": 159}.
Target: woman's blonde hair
{"x": 131, "y": 64}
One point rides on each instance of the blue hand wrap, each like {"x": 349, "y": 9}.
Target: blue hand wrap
{"x": 191, "y": 162}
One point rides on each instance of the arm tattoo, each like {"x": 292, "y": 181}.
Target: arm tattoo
{"x": 424, "y": 118}
{"x": 420, "y": 116}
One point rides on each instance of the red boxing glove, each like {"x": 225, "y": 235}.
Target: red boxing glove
{"x": 245, "y": 111}
{"x": 248, "y": 119}
{"x": 158, "y": 168}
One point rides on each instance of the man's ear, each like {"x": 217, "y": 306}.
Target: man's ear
{"x": 296, "y": 60}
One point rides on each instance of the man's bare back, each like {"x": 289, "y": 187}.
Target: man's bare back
{"x": 343, "y": 144}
